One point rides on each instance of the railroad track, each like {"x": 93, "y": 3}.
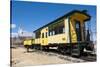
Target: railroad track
{"x": 86, "y": 57}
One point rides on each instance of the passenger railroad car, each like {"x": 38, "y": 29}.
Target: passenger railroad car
{"x": 67, "y": 33}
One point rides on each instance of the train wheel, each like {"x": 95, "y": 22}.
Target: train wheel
{"x": 27, "y": 48}
{"x": 61, "y": 49}
{"x": 46, "y": 48}
{"x": 32, "y": 47}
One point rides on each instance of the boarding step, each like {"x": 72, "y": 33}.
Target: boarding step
{"x": 75, "y": 50}
{"x": 75, "y": 53}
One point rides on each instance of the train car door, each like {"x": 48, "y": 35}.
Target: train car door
{"x": 78, "y": 31}
{"x": 44, "y": 37}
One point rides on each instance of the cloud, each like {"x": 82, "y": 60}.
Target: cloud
{"x": 26, "y": 34}
{"x": 13, "y": 26}
{"x": 13, "y": 34}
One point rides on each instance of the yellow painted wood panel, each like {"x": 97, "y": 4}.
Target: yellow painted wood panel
{"x": 28, "y": 42}
{"x": 44, "y": 41}
{"x": 66, "y": 25}
{"x": 73, "y": 32}
{"x": 61, "y": 38}
{"x": 37, "y": 40}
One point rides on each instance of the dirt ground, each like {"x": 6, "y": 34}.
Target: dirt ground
{"x": 21, "y": 58}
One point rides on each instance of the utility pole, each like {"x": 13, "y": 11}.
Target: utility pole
{"x": 20, "y": 34}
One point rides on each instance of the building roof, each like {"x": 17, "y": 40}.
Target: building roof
{"x": 65, "y": 15}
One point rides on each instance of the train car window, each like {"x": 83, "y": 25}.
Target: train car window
{"x": 50, "y": 33}
{"x": 56, "y": 31}
{"x": 57, "y": 28}
{"x": 77, "y": 25}
{"x": 63, "y": 30}
{"x": 46, "y": 34}
{"x": 78, "y": 30}
{"x": 60, "y": 30}
{"x": 53, "y": 32}
{"x": 42, "y": 35}
{"x": 37, "y": 34}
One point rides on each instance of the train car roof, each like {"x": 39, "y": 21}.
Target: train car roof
{"x": 65, "y": 15}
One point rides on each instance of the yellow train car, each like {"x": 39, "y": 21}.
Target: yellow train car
{"x": 67, "y": 33}
{"x": 28, "y": 43}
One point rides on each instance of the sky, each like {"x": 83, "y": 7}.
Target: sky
{"x": 33, "y": 15}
